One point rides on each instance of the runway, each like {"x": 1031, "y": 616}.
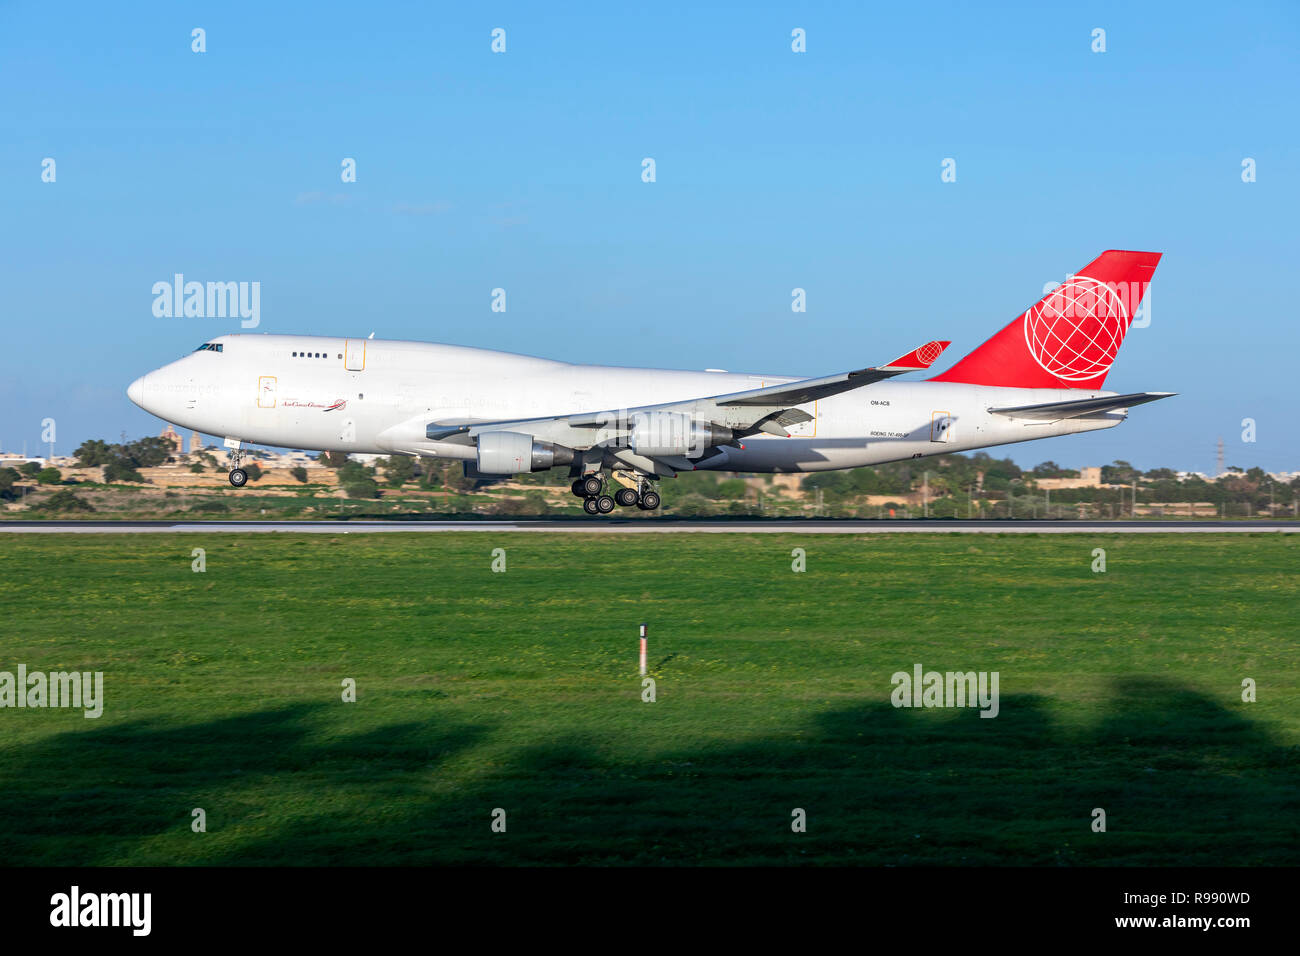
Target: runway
{"x": 654, "y": 526}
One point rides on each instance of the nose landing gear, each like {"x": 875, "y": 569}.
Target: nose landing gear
{"x": 238, "y": 477}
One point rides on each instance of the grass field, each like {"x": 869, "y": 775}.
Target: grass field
{"x": 518, "y": 690}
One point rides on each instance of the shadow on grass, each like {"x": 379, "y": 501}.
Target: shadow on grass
{"x": 1183, "y": 780}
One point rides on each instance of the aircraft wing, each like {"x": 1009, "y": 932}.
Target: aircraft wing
{"x": 1080, "y": 408}
{"x": 771, "y": 409}
{"x": 811, "y": 389}
{"x": 742, "y": 410}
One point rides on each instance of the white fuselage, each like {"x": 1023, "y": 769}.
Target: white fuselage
{"x": 357, "y": 395}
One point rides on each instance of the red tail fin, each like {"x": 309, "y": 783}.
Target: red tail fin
{"x": 1070, "y": 338}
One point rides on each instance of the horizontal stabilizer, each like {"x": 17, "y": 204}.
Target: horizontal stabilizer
{"x": 1078, "y": 408}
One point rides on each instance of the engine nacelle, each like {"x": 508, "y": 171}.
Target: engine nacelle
{"x": 511, "y": 453}
{"x": 674, "y": 433}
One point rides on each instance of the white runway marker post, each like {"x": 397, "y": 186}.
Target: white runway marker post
{"x": 643, "y": 650}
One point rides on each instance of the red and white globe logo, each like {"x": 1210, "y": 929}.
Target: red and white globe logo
{"x": 928, "y": 352}
{"x": 1075, "y": 332}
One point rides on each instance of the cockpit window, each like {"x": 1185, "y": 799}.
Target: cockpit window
{"x": 210, "y": 347}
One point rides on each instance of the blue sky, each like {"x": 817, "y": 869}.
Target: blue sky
{"x": 775, "y": 170}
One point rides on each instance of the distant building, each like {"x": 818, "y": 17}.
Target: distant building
{"x": 169, "y": 433}
{"x": 1089, "y": 477}
{"x": 196, "y": 443}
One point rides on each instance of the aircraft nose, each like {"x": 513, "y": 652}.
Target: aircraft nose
{"x": 135, "y": 391}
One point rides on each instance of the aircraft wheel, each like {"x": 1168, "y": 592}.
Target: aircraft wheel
{"x": 626, "y": 497}
{"x": 650, "y": 501}
{"x": 589, "y": 506}
{"x": 238, "y": 477}
{"x": 605, "y": 504}
{"x": 593, "y": 485}
{"x": 577, "y": 488}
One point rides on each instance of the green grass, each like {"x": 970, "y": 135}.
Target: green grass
{"x": 519, "y": 690}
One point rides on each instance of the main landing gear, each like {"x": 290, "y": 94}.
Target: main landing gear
{"x": 591, "y": 488}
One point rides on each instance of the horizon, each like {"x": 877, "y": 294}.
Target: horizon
{"x": 214, "y": 442}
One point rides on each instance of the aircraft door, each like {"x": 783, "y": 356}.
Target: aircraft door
{"x": 940, "y": 426}
{"x": 266, "y": 391}
{"x": 354, "y": 355}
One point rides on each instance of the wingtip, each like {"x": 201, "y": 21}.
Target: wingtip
{"x": 920, "y": 358}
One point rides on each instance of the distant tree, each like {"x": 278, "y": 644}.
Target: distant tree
{"x": 333, "y": 459}
{"x": 456, "y": 479}
{"x": 299, "y": 472}
{"x": 92, "y": 453}
{"x": 49, "y": 476}
{"x": 1161, "y": 473}
{"x": 351, "y": 471}
{"x": 197, "y": 468}
{"x": 116, "y": 471}
{"x": 30, "y": 468}
{"x": 122, "y": 462}
{"x": 1001, "y": 468}
{"x": 692, "y": 504}
{"x": 7, "y": 478}
{"x": 65, "y": 501}
{"x": 943, "y": 508}
{"x": 398, "y": 470}
{"x": 254, "y": 470}
{"x": 731, "y": 488}
{"x": 1118, "y": 473}
{"x": 828, "y": 481}
{"x": 146, "y": 452}
{"x": 362, "y": 488}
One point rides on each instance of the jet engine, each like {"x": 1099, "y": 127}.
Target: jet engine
{"x": 510, "y": 453}
{"x": 674, "y": 433}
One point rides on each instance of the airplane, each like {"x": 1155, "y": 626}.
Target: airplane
{"x": 622, "y": 430}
